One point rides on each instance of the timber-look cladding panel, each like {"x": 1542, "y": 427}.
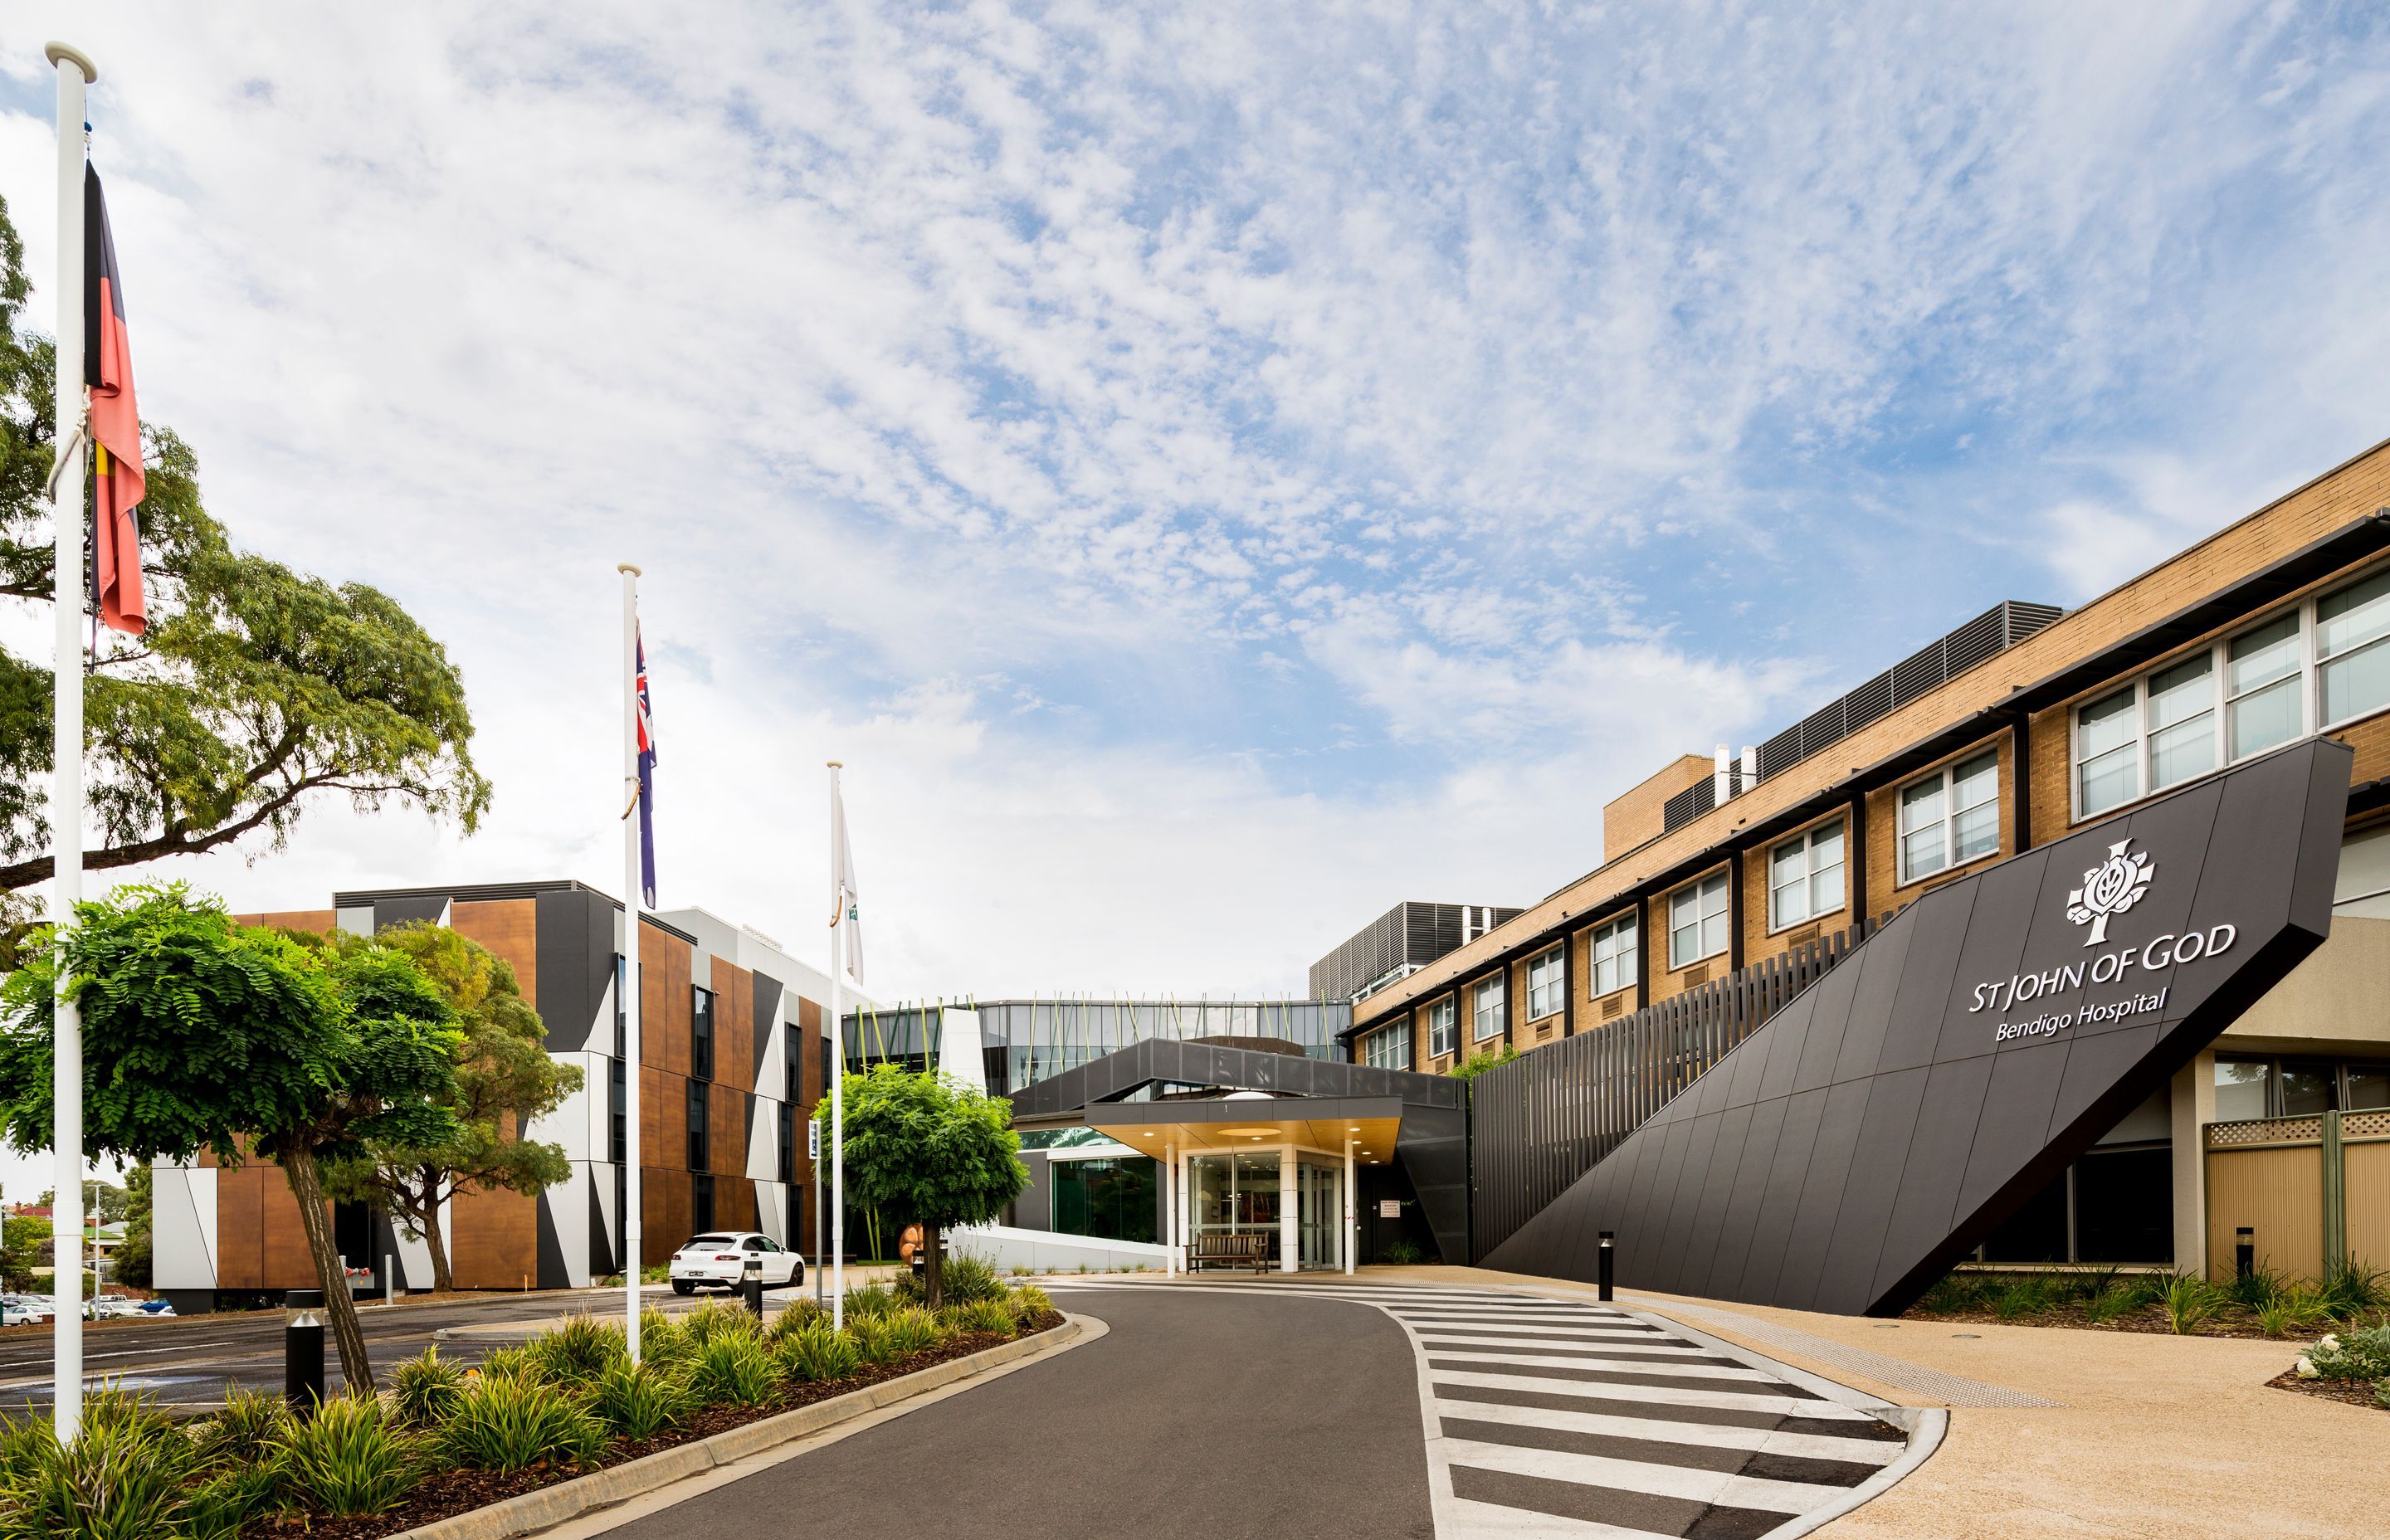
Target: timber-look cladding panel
{"x": 494, "y": 1240}
{"x": 508, "y": 928}
{"x": 734, "y": 1025}
{"x": 665, "y": 1004}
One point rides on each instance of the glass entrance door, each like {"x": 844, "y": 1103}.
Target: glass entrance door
{"x": 1316, "y": 1207}
{"x": 1232, "y": 1194}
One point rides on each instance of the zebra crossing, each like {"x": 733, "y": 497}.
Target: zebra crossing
{"x": 1551, "y": 1418}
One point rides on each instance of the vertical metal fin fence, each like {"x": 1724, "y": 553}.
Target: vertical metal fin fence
{"x": 1544, "y": 1119}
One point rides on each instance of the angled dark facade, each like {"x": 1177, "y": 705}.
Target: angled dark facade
{"x": 1431, "y": 1148}
{"x": 1880, "y": 1126}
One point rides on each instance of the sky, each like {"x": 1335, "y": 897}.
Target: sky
{"x": 1210, "y": 471}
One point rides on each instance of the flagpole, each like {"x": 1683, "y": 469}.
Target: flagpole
{"x": 837, "y": 1075}
{"x": 74, "y": 72}
{"x": 633, "y": 1258}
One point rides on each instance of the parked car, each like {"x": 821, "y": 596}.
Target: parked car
{"x": 718, "y": 1260}
{"x": 24, "y": 1309}
{"x": 156, "y": 1307}
{"x": 109, "y": 1306}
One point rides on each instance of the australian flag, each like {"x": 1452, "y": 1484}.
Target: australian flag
{"x": 647, "y": 785}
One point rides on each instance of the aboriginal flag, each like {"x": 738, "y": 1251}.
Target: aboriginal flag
{"x": 115, "y": 422}
{"x": 646, "y": 794}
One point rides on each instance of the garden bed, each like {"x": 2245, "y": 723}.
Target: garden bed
{"x": 449, "y": 1493}
{"x": 2355, "y": 1393}
{"x": 2265, "y": 1306}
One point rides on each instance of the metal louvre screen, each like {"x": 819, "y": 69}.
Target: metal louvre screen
{"x": 1542, "y": 1121}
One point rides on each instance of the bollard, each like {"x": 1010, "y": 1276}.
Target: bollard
{"x": 2244, "y": 1252}
{"x": 302, "y": 1350}
{"x": 752, "y": 1285}
{"x": 1609, "y": 1263}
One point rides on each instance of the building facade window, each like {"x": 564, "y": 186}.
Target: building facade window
{"x": 1546, "y": 991}
{"x": 1388, "y": 1047}
{"x": 697, "y": 1127}
{"x": 701, "y": 1021}
{"x": 1485, "y": 1009}
{"x": 2309, "y": 669}
{"x": 1443, "y": 1027}
{"x": 621, "y": 1135}
{"x": 2249, "y": 1088}
{"x": 701, "y": 1204}
{"x": 1697, "y": 921}
{"x": 1950, "y": 817}
{"x": 1616, "y": 957}
{"x": 1111, "y": 1199}
{"x": 1805, "y": 876}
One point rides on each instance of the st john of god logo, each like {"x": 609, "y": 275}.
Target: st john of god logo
{"x": 2109, "y": 888}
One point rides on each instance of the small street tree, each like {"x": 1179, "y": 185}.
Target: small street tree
{"x": 504, "y": 1079}
{"x": 926, "y": 1148}
{"x": 202, "y": 1033}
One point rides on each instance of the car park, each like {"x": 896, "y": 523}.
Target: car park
{"x": 718, "y": 1260}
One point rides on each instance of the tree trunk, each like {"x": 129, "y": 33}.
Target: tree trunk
{"x": 934, "y": 1275}
{"x": 442, "y": 1279}
{"x": 307, "y": 1185}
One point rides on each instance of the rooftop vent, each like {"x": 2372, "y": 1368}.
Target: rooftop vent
{"x": 1929, "y": 668}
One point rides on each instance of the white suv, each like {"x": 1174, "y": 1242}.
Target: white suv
{"x": 719, "y": 1261}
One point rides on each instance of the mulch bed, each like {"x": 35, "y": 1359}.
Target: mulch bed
{"x": 2356, "y": 1392}
{"x": 448, "y": 1493}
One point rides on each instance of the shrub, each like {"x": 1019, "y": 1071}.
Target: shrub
{"x": 717, "y": 1319}
{"x": 795, "y": 1314}
{"x": 578, "y": 1350}
{"x": 661, "y": 1339}
{"x": 511, "y": 1363}
{"x": 2189, "y": 1301}
{"x": 1401, "y": 1253}
{"x": 995, "y": 1316}
{"x": 2116, "y": 1300}
{"x": 117, "y": 1480}
{"x": 1952, "y": 1293}
{"x": 2349, "y": 1355}
{"x": 248, "y": 1429}
{"x": 506, "y": 1422}
{"x": 2290, "y": 1311}
{"x": 815, "y": 1351}
{"x": 1028, "y": 1300}
{"x": 221, "y": 1507}
{"x": 424, "y": 1387}
{"x": 348, "y": 1458}
{"x": 2352, "y": 1287}
{"x": 872, "y": 1299}
{"x": 734, "y": 1371}
{"x": 966, "y": 1279}
{"x": 638, "y": 1401}
{"x": 2021, "y": 1297}
{"x": 2262, "y": 1284}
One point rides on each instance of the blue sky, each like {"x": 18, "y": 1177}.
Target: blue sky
{"x": 1211, "y": 470}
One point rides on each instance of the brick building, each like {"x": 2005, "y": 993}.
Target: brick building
{"x": 2023, "y": 726}
{"x": 734, "y": 1053}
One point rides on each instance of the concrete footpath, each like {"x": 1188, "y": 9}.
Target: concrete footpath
{"x": 2063, "y": 1432}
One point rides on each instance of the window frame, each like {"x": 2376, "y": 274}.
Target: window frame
{"x": 1947, "y": 778}
{"x": 1807, "y": 840}
{"x": 1625, "y": 957}
{"x": 2307, "y": 670}
{"x": 1448, "y": 1031}
{"x": 1397, "y": 1035}
{"x": 1479, "y": 1011}
{"x": 1553, "y": 959}
{"x": 1699, "y": 890}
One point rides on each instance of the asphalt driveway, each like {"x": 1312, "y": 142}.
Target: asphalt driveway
{"x": 1198, "y": 1417}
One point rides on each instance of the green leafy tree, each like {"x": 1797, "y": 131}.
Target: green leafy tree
{"x": 504, "y": 1079}
{"x": 923, "y": 1147}
{"x": 103, "y": 1202}
{"x": 21, "y": 1240}
{"x": 133, "y": 1256}
{"x": 1477, "y": 1064}
{"x": 256, "y": 692}
{"x": 202, "y": 1033}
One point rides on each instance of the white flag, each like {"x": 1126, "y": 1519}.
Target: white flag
{"x": 844, "y": 900}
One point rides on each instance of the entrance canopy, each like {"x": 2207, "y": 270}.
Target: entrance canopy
{"x": 1320, "y": 1122}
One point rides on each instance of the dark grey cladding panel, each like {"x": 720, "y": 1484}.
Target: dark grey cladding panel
{"x": 572, "y": 930}
{"x": 1880, "y": 1126}
{"x": 553, "y": 1273}
{"x": 767, "y": 1021}
{"x": 601, "y": 1234}
{"x": 388, "y": 912}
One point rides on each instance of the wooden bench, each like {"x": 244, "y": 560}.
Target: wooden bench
{"x": 1255, "y": 1248}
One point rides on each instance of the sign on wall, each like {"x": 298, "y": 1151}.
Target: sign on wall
{"x": 1390, "y": 1208}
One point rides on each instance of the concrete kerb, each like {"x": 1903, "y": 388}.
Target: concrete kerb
{"x": 649, "y": 1474}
